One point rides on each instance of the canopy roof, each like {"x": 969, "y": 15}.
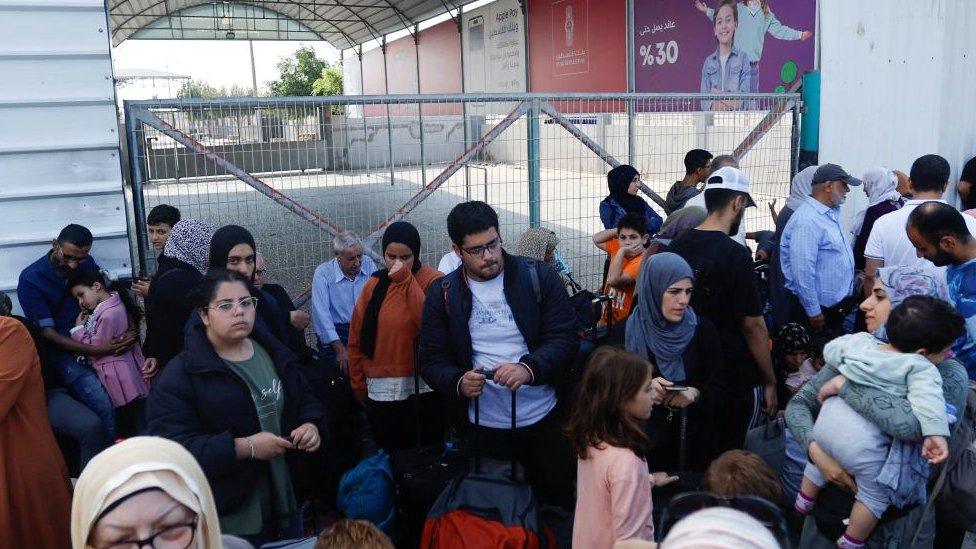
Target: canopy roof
{"x": 342, "y": 23}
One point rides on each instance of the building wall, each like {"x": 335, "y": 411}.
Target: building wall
{"x": 897, "y": 84}
{"x": 59, "y": 141}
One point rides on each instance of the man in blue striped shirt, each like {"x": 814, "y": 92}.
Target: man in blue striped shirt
{"x": 817, "y": 257}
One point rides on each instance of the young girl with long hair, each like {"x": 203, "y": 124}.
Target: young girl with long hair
{"x": 107, "y": 313}
{"x": 606, "y": 431}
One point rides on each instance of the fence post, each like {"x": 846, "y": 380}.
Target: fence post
{"x": 135, "y": 172}
{"x": 420, "y": 107}
{"x": 389, "y": 119}
{"x": 631, "y": 84}
{"x": 533, "y": 133}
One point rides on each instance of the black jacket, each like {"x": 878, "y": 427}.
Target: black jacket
{"x": 168, "y": 307}
{"x": 547, "y": 326}
{"x": 201, "y": 404}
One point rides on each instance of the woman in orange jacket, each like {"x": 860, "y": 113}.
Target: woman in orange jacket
{"x": 385, "y": 325}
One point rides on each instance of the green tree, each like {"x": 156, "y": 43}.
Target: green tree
{"x": 298, "y": 73}
{"x": 199, "y": 89}
{"x": 330, "y": 83}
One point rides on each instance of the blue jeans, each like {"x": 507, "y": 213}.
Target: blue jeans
{"x": 86, "y": 386}
{"x": 753, "y": 76}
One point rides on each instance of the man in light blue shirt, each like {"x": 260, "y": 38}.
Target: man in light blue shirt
{"x": 817, "y": 257}
{"x": 335, "y": 288}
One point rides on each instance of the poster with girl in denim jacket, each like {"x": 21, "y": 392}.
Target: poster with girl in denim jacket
{"x": 727, "y": 69}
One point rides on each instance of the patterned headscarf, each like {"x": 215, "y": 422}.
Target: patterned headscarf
{"x": 189, "y": 242}
{"x": 538, "y": 243}
{"x": 904, "y": 281}
{"x": 792, "y": 338}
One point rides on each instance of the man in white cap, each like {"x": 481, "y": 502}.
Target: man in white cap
{"x": 817, "y": 257}
{"x": 727, "y": 294}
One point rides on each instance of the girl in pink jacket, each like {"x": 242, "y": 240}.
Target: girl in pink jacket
{"x": 107, "y": 314}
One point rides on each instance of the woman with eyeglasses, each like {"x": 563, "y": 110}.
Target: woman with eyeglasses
{"x": 236, "y": 400}
{"x": 145, "y": 491}
{"x": 382, "y": 354}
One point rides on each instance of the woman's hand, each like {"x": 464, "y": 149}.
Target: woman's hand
{"x": 662, "y": 478}
{"x": 659, "y": 390}
{"x": 299, "y": 319}
{"x": 682, "y": 399}
{"x": 268, "y": 446}
{"x": 306, "y": 437}
{"x": 82, "y": 318}
{"x": 831, "y": 388}
{"x": 829, "y": 468}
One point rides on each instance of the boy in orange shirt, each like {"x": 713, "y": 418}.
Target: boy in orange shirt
{"x": 626, "y": 246}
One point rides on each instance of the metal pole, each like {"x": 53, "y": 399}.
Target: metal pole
{"x": 631, "y": 82}
{"x": 135, "y": 172}
{"x": 464, "y": 104}
{"x": 362, "y": 91}
{"x": 420, "y": 107}
{"x": 254, "y": 73}
{"x": 525, "y": 41}
{"x": 389, "y": 121}
{"x": 795, "y": 140}
{"x": 532, "y": 136}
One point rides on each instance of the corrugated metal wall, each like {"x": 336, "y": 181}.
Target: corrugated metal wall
{"x": 59, "y": 142}
{"x": 897, "y": 84}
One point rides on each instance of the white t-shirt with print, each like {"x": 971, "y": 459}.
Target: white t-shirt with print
{"x": 496, "y": 340}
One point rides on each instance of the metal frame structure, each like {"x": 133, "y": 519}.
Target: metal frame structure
{"x": 532, "y": 106}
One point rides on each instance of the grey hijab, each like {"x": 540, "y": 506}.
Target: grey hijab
{"x": 189, "y": 241}
{"x": 649, "y": 334}
{"x": 801, "y": 187}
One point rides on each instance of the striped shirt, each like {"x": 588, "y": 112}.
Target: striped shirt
{"x": 817, "y": 258}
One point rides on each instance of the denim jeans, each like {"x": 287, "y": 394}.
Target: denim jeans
{"x": 88, "y": 389}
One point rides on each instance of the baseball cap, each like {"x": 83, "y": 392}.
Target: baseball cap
{"x": 833, "y": 172}
{"x": 730, "y": 178}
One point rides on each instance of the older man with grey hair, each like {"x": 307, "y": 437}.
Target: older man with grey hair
{"x": 335, "y": 289}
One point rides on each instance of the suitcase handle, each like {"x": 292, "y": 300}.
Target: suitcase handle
{"x": 477, "y": 437}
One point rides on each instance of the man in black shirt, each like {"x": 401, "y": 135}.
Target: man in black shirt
{"x": 726, "y": 293}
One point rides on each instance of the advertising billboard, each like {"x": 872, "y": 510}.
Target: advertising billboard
{"x": 494, "y": 50}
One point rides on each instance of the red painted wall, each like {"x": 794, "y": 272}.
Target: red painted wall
{"x": 401, "y": 73}
{"x": 374, "y": 79}
{"x": 577, "y": 45}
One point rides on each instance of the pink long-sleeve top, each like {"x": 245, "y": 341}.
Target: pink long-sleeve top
{"x": 121, "y": 375}
{"x": 613, "y": 501}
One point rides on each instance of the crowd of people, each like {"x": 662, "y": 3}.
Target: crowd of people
{"x": 191, "y": 408}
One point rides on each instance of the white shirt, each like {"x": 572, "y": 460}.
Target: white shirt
{"x": 496, "y": 340}
{"x": 449, "y": 263}
{"x": 699, "y": 200}
{"x": 889, "y": 239}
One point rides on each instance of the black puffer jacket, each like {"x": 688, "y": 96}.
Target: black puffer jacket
{"x": 201, "y": 404}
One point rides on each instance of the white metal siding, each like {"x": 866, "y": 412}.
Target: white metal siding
{"x": 897, "y": 84}
{"x": 59, "y": 142}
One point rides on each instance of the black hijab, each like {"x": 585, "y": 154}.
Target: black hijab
{"x": 223, "y": 242}
{"x": 403, "y": 233}
{"x": 618, "y": 181}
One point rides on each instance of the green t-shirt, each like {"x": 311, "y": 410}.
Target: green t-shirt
{"x": 274, "y": 497}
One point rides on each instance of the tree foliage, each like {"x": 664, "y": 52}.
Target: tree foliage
{"x": 298, "y": 73}
{"x": 199, "y": 89}
{"x": 329, "y": 82}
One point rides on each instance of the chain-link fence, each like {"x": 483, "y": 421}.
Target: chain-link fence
{"x": 295, "y": 170}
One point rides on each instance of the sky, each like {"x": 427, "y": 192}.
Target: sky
{"x": 221, "y": 63}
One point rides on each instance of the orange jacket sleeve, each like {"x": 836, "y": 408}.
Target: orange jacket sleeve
{"x": 18, "y": 357}
{"x": 357, "y": 360}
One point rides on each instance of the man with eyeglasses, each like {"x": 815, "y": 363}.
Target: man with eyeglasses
{"x": 48, "y": 306}
{"x": 498, "y": 324}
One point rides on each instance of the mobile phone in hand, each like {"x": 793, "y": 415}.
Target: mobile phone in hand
{"x": 676, "y": 388}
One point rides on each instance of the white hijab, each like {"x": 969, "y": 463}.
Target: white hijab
{"x": 880, "y": 184}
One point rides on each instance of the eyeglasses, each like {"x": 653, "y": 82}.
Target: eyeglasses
{"x": 229, "y": 305}
{"x": 491, "y": 247}
{"x": 69, "y": 257}
{"x": 177, "y": 536}
{"x": 758, "y": 508}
